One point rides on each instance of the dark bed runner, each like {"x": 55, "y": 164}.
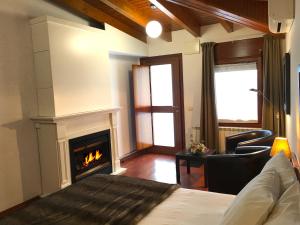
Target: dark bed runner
{"x": 96, "y": 200}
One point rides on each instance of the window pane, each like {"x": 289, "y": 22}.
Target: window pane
{"x": 235, "y": 103}
{"x": 161, "y": 85}
{"x": 163, "y": 129}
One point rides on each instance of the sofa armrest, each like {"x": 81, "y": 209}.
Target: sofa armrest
{"x": 230, "y": 173}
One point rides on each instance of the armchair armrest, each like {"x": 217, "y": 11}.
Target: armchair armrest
{"x": 250, "y": 138}
{"x": 230, "y": 173}
{"x": 233, "y": 141}
{"x": 261, "y": 141}
{"x": 249, "y": 149}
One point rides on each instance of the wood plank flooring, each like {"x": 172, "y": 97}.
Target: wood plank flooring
{"x": 161, "y": 168}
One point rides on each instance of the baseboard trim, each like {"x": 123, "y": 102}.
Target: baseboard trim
{"x": 19, "y": 206}
{"x": 134, "y": 154}
{"x": 161, "y": 151}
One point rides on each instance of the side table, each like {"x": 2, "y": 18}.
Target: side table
{"x": 188, "y": 157}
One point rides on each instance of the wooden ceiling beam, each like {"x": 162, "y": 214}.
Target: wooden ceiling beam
{"x": 167, "y": 36}
{"x": 179, "y": 16}
{"x": 129, "y": 11}
{"x": 89, "y": 10}
{"x": 228, "y": 26}
{"x": 233, "y": 13}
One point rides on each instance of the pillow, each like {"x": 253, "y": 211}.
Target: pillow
{"x": 284, "y": 168}
{"x": 287, "y": 209}
{"x": 254, "y": 203}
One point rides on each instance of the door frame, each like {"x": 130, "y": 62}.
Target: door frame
{"x": 156, "y": 60}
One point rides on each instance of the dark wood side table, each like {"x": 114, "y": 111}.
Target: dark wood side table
{"x": 188, "y": 157}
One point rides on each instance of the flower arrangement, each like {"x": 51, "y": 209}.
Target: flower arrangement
{"x": 198, "y": 148}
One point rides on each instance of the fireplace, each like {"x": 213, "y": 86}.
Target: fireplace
{"x": 90, "y": 154}
{"x": 59, "y": 136}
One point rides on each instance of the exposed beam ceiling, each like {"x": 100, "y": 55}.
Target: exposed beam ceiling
{"x": 128, "y": 10}
{"x": 251, "y": 14}
{"x": 167, "y": 36}
{"x": 131, "y": 16}
{"x": 228, "y": 26}
{"x": 87, "y": 9}
{"x": 179, "y": 15}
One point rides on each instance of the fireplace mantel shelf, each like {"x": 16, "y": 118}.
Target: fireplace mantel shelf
{"x": 81, "y": 114}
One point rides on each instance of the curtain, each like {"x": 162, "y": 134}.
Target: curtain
{"x": 209, "y": 133}
{"x": 273, "y": 110}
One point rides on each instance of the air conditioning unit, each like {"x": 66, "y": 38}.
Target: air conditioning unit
{"x": 281, "y": 15}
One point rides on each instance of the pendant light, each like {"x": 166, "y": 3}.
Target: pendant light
{"x": 153, "y": 29}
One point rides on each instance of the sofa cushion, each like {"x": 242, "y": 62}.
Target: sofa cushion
{"x": 287, "y": 209}
{"x": 284, "y": 168}
{"x": 254, "y": 203}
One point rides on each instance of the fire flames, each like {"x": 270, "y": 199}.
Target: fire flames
{"x": 91, "y": 158}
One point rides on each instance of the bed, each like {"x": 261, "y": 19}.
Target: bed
{"x": 189, "y": 207}
{"x": 272, "y": 196}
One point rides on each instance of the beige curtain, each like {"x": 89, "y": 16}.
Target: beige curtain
{"x": 209, "y": 132}
{"x": 273, "y": 110}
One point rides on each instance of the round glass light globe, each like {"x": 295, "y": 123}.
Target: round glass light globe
{"x": 153, "y": 29}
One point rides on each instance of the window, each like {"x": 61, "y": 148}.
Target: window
{"x": 236, "y": 104}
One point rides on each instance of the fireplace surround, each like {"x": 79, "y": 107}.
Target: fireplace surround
{"x": 55, "y": 135}
{"x": 90, "y": 154}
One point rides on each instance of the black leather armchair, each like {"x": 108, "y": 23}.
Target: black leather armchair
{"x": 250, "y": 138}
{"x": 230, "y": 173}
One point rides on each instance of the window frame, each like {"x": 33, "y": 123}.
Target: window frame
{"x": 258, "y": 61}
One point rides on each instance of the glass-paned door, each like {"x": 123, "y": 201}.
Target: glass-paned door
{"x": 162, "y": 100}
{"x": 166, "y": 102}
{"x": 163, "y": 129}
{"x": 158, "y": 104}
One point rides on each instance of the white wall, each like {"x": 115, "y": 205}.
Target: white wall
{"x": 292, "y": 46}
{"x": 120, "y": 43}
{"x": 192, "y": 63}
{"x": 120, "y": 72}
{"x": 19, "y": 168}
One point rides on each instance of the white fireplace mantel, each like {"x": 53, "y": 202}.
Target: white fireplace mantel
{"x": 54, "y": 134}
{"x": 75, "y": 115}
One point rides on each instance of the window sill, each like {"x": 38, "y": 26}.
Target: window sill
{"x": 250, "y": 125}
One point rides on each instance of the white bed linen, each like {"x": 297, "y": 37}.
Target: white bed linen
{"x": 189, "y": 207}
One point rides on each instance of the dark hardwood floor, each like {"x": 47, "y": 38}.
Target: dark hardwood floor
{"x": 162, "y": 168}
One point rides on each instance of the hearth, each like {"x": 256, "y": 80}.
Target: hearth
{"x": 90, "y": 154}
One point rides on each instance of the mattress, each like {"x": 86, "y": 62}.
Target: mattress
{"x": 189, "y": 207}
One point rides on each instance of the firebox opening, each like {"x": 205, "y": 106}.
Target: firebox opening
{"x": 90, "y": 154}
